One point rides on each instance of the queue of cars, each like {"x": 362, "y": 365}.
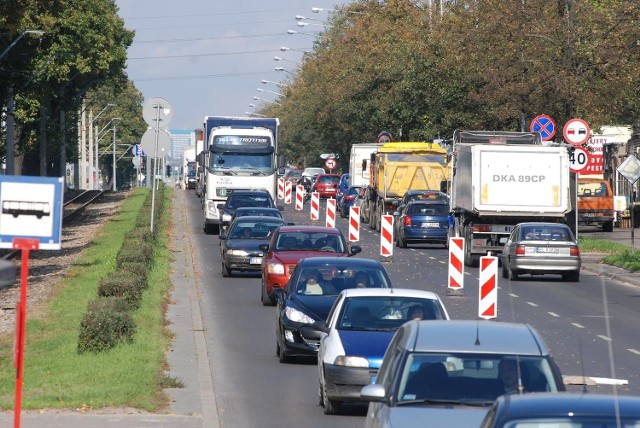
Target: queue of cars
{"x": 371, "y": 347}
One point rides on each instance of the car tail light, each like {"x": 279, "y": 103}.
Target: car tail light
{"x": 407, "y": 221}
{"x": 481, "y": 228}
{"x": 574, "y": 251}
{"x": 520, "y": 250}
{"x": 390, "y": 207}
{"x": 349, "y": 198}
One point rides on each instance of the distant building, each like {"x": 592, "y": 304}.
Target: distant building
{"x": 180, "y": 138}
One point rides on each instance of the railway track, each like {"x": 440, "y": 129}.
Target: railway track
{"x": 71, "y": 211}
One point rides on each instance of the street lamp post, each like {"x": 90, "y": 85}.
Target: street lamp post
{"x": 279, "y": 58}
{"x": 304, "y": 24}
{"x": 271, "y": 92}
{"x": 285, "y": 49}
{"x": 317, "y": 36}
{"x": 264, "y": 82}
{"x": 267, "y": 101}
{"x": 92, "y": 119}
{"x": 248, "y": 113}
{"x": 284, "y": 70}
{"x": 24, "y": 33}
{"x": 97, "y": 141}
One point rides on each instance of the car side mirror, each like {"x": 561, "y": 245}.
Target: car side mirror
{"x": 222, "y": 237}
{"x": 355, "y": 249}
{"x": 277, "y": 294}
{"x": 220, "y": 206}
{"x": 321, "y": 326}
{"x": 373, "y": 392}
{"x": 263, "y": 247}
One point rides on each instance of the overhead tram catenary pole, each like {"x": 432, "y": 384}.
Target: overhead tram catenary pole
{"x": 155, "y": 163}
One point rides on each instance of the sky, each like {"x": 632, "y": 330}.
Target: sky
{"x": 208, "y": 57}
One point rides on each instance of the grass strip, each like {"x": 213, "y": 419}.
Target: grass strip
{"x": 130, "y": 375}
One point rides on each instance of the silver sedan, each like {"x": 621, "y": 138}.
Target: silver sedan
{"x": 540, "y": 249}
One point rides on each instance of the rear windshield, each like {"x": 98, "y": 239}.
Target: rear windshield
{"x": 326, "y": 179}
{"x": 593, "y": 189}
{"x": 428, "y": 209}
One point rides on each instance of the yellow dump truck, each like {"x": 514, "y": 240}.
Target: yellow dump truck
{"x": 400, "y": 166}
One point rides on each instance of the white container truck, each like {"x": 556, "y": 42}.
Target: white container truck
{"x": 500, "y": 179}
{"x": 360, "y": 163}
{"x": 188, "y": 172}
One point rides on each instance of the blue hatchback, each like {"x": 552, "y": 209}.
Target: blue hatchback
{"x": 347, "y": 200}
{"x": 422, "y": 222}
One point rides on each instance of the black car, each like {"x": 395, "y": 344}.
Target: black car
{"x": 571, "y": 410}
{"x": 239, "y": 245}
{"x": 256, "y": 211}
{"x": 243, "y": 198}
{"x": 299, "y": 305}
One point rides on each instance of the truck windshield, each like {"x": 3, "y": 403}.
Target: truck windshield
{"x": 412, "y": 157}
{"x": 241, "y": 163}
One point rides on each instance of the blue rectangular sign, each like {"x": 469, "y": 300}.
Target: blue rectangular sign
{"x": 31, "y": 208}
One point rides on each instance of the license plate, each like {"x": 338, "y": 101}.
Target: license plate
{"x": 255, "y": 260}
{"x": 430, "y": 224}
{"x": 588, "y": 214}
{"x": 547, "y": 250}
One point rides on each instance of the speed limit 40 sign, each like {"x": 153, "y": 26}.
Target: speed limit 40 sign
{"x": 578, "y": 160}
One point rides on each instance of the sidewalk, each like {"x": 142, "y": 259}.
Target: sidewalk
{"x": 193, "y": 406}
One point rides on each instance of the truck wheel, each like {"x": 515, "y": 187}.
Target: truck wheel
{"x": 379, "y": 218}
{"x": 469, "y": 259}
{"x": 607, "y": 226}
{"x": 372, "y": 217}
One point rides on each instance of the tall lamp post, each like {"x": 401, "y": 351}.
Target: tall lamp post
{"x": 271, "y": 92}
{"x": 264, "y": 82}
{"x": 94, "y": 184}
{"x": 267, "y": 101}
{"x": 24, "y": 33}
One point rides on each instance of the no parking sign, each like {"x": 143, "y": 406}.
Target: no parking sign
{"x": 545, "y": 125}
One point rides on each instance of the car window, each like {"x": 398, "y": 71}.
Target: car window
{"x": 545, "y": 233}
{"x": 386, "y": 312}
{"x": 481, "y": 377}
{"x": 333, "y": 279}
{"x": 430, "y": 209}
{"x": 253, "y": 230}
{"x": 310, "y": 241}
{"x": 328, "y": 179}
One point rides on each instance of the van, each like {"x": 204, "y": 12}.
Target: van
{"x": 595, "y": 203}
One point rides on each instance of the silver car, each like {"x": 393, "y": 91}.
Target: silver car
{"x": 539, "y": 249}
{"x": 448, "y": 373}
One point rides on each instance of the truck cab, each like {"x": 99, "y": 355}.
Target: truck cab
{"x": 595, "y": 203}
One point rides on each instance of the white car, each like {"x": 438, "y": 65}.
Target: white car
{"x": 358, "y": 329}
{"x": 310, "y": 172}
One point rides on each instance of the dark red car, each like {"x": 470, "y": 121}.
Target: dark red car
{"x": 290, "y": 244}
{"x": 326, "y": 185}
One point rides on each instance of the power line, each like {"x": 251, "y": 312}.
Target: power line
{"x": 201, "y": 55}
{"x": 208, "y": 14}
{"x": 207, "y": 38}
{"x": 203, "y": 76}
{"x": 228, "y": 24}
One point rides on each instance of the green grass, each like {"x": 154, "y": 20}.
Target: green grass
{"x": 617, "y": 254}
{"x": 131, "y": 375}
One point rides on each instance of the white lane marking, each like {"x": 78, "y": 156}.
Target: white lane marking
{"x": 513, "y": 295}
{"x": 635, "y": 351}
{"x": 604, "y": 338}
{"x": 553, "y": 314}
{"x": 532, "y": 304}
{"x": 575, "y": 324}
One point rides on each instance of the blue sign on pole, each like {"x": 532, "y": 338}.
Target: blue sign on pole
{"x": 545, "y": 125}
{"x": 139, "y": 151}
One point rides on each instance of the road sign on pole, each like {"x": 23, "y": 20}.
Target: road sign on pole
{"x": 578, "y": 160}
{"x": 330, "y": 163}
{"x": 545, "y": 125}
{"x": 576, "y": 132}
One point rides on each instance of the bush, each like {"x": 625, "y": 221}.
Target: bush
{"x": 125, "y": 285}
{"x": 141, "y": 252}
{"x": 138, "y": 269}
{"x": 104, "y": 325}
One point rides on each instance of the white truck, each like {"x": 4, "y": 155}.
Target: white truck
{"x": 240, "y": 153}
{"x": 360, "y": 163}
{"x": 500, "y": 179}
{"x": 200, "y": 170}
{"x": 188, "y": 168}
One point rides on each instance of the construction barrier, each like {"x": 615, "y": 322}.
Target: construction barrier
{"x": 488, "y": 290}
{"x": 354, "y": 224}
{"x": 455, "y": 284}
{"x": 386, "y": 236}
{"x": 299, "y": 197}
{"x": 280, "y": 188}
{"x": 287, "y": 192}
{"x": 315, "y": 206}
{"x": 331, "y": 213}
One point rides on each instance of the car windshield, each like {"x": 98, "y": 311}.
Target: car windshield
{"x": 258, "y": 211}
{"x": 253, "y": 230}
{"x": 471, "y": 377}
{"x": 310, "y": 241}
{"x": 428, "y": 209}
{"x": 249, "y": 201}
{"x": 546, "y": 233}
{"x": 329, "y": 179}
{"x": 331, "y": 280}
{"x": 386, "y": 312}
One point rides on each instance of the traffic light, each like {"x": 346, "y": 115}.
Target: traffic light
{"x": 168, "y": 170}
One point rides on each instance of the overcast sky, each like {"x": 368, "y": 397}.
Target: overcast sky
{"x": 208, "y": 57}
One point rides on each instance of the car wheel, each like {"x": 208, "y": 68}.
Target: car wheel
{"x": 225, "y": 270}
{"x": 320, "y": 395}
{"x": 504, "y": 271}
{"x": 401, "y": 242}
{"x": 342, "y": 214}
{"x": 282, "y": 356}
{"x": 607, "y": 226}
{"x": 572, "y": 276}
{"x": 265, "y": 298}
{"x": 511, "y": 275}
{"x": 331, "y": 407}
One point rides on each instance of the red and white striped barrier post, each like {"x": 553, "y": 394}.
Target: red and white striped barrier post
{"x": 386, "y": 237}
{"x": 287, "y": 192}
{"x": 488, "y": 290}
{"x": 315, "y": 205}
{"x": 299, "y": 197}
{"x": 455, "y": 284}
{"x": 354, "y": 224}
{"x": 331, "y": 213}
{"x": 280, "y": 188}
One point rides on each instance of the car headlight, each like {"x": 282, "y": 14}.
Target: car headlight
{"x": 275, "y": 268}
{"x": 212, "y": 209}
{"x": 298, "y": 316}
{"x": 349, "y": 361}
{"x": 226, "y": 217}
{"x": 237, "y": 253}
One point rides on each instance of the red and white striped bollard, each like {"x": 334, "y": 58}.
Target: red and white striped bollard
{"x": 315, "y": 205}
{"x": 331, "y": 213}
{"x": 455, "y": 285}
{"x": 287, "y": 192}
{"x": 386, "y": 237}
{"x": 488, "y": 290}
{"x": 354, "y": 224}
{"x": 299, "y": 197}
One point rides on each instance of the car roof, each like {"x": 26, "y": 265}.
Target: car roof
{"x": 399, "y": 292}
{"x": 259, "y": 218}
{"x": 267, "y": 209}
{"x": 332, "y": 261}
{"x": 475, "y": 336}
{"x": 249, "y": 192}
{"x": 313, "y": 229}
{"x": 427, "y": 202}
{"x": 426, "y": 191}
{"x": 542, "y": 224}
{"x": 579, "y": 404}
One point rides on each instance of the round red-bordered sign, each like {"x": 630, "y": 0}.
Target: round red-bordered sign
{"x": 578, "y": 160}
{"x": 545, "y": 125}
{"x": 576, "y": 132}
{"x": 330, "y": 163}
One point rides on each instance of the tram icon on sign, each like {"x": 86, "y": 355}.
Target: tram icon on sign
{"x": 17, "y": 208}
